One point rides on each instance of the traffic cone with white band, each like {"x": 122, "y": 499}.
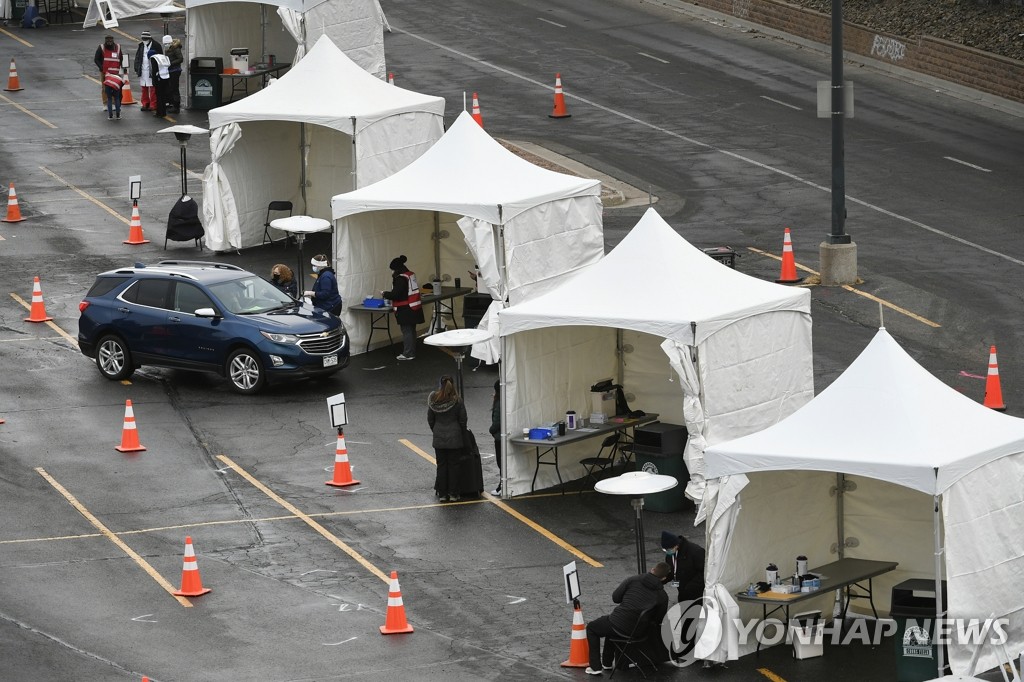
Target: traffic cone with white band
{"x": 559, "y": 111}
{"x": 394, "y": 622}
{"x": 477, "y": 116}
{"x": 191, "y": 584}
{"x": 13, "y": 84}
{"x": 129, "y": 434}
{"x": 342, "y": 470}
{"x": 579, "y": 648}
{"x": 37, "y": 313}
{"x": 788, "y": 274}
{"x": 993, "y": 387}
{"x": 13, "y": 210}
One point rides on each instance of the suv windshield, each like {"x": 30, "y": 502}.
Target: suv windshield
{"x": 250, "y": 295}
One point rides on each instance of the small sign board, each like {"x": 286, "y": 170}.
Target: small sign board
{"x": 107, "y": 15}
{"x": 825, "y": 99}
{"x": 572, "y": 582}
{"x": 135, "y": 187}
{"x": 336, "y": 410}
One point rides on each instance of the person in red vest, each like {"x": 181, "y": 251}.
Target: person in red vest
{"x": 112, "y": 83}
{"x": 405, "y": 296}
{"x": 107, "y": 60}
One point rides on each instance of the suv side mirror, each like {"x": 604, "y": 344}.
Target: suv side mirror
{"x": 207, "y": 312}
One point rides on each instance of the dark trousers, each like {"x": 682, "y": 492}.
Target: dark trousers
{"x": 113, "y": 100}
{"x": 448, "y": 462}
{"x": 162, "y": 87}
{"x": 173, "y": 90}
{"x": 596, "y": 629}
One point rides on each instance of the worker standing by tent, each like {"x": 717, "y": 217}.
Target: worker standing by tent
{"x": 405, "y": 296}
{"x": 147, "y": 48}
{"x": 107, "y": 60}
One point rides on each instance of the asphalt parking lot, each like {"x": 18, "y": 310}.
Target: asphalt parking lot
{"x": 92, "y": 540}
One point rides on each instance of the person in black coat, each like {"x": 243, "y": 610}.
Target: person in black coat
{"x": 446, "y": 416}
{"x": 634, "y": 595}
{"x": 405, "y": 297}
{"x": 284, "y": 279}
{"x": 687, "y": 562}
{"x": 495, "y": 431}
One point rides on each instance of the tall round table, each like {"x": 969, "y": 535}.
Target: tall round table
{"x": 300, "y": 226}
{"x": 636, "y": 484}
{"x": 459, "y": 339}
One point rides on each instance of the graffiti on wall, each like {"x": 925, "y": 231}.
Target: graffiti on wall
{"x": 888, "y": 48}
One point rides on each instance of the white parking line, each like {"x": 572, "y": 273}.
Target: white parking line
{"x": 548, "y": 21}
{"x": 772, "y": 99}
{"x": 964, "y": 163}
{"x": 651, "y": 56}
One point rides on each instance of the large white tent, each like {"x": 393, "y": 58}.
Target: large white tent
{"x": 123, "y": 9}
{"x": 286, "y": 29}
{"x": 323, "y": 126}
{"x": 740, "y": 348}
{"x": 925, "y": 476}
{"x": 467, "y": 201}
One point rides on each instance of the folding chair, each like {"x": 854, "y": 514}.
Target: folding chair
{"x": 627, "y": 647}
{"x": 278, "y": 206}
{"x": 597, "y": 464}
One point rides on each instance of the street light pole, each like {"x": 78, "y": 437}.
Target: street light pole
{"x": 838, "y": 234}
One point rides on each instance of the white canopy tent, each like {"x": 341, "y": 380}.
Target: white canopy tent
{"x": 326, "y": 125}
{"x": 123, "y": 9}
{"x": 286, "y": 29}
{"x": 526, "y": 227}
{"x": 925, "y": 476}
{"x": 740, "y": 347}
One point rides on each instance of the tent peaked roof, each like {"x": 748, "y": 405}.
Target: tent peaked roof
{"x": 468, "y": 173}
{"x": 655, "y": 281}
{"x": 301, "y": 6}
{"x": 885, "y": 417}
{"x": 326, "y": 88}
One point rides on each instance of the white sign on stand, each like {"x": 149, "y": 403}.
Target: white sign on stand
{"x": 336, "y": 410}
{"x": 572, "y": 582}
{"x": 134, "y": 187}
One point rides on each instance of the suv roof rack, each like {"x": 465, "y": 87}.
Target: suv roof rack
{"x": 208, "y": 264}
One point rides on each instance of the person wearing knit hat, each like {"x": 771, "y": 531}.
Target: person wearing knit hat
{"x": 405, "y": 297}
{"x": 687, "y": 562}
{"x": 172, "y": 48}
{"x": 324, "y": 294}
{"x": 143, "y": 69}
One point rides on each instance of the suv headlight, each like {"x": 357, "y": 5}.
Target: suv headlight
{"x": 280, "y": 338}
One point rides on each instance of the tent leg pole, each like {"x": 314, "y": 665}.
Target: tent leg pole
{"x": 303, "y": 153}
{"x": 939, "y": 551}
{"x": 502, "y": 400}
{"x": 437, "y": 247}
{"x": 641, "y": 559}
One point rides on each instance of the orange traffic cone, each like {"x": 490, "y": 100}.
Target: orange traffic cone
{"x": 126, "y": 92}
{"x": 191, "y": 585}
{"x": 788, "y": 275}
{"x": 579, "y": 648}
{"x": 37, "y": 313}
{"x": 993, "y": 389}
{"x": 135, "y": 235}
{"x": 395, "y": 622}
{"x": 342, "y": 471}
{"x": 559, "y": 111}
{"x": 476, "y": 111}
{"x": 13, "y": 84}
{"x": 391, "y": 77}
{"x": 129, "y": 434}
{"x": 13, "y": 210}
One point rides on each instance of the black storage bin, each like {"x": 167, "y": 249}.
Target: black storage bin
{"x": 914, "y": 610}
{"x": 473, "y": 308}
{"x": 659, "y": 450}
{"x": 205, "y": 83}
{"x": 659, "y": 438}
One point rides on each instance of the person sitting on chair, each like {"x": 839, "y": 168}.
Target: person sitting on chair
{"x": 634, "y": 595}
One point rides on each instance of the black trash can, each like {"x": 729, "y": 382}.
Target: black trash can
{"x": 18, "y": 9}
{"x": 914, "y": 610}
{"x": 473, "y": 308}
{"x": 205, "y": 83}
{"x": 658, "y": 448}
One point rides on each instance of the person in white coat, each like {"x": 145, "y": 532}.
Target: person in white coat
{"x": 144, "y": 69}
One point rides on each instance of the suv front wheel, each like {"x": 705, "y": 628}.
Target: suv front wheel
{"x": 245, "y": 370}
{"x": 113, "y": 358}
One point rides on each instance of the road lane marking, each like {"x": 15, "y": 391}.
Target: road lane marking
{"x": 512, "y": 512}
{"x": 305, "y": 518}
{"x": 23, "y": 110}
{"x": 86, "y": 195}
{"x": 872, "y": 297}
{"x": 49, "y": 323}
{"x": 772, "y": 99}
{"x": 719, "y": 150}
{"x": 548, "y": 21}
{"x": 651, "y": 56}
{"x": 110, "y": 535}
{"x": 11, "y": 35}
{"x": 964, "y": 163}
{"x": 770, "y": 675}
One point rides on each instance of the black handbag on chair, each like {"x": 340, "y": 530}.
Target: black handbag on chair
{"x": 183, "y": 223}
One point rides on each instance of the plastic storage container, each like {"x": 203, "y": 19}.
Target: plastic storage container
{"x": 204, "y": 82}
{"x": 914, "y": 610}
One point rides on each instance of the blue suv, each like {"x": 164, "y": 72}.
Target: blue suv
{"x": 211, "y": 317}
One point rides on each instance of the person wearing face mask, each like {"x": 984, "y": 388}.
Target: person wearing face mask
{"x": 147, "y": 48}
{"x": 324, "y": 294}
{"x": 282, "y": 277}
{"x": 107, "y": 60}
{"x": 160, "y": 66}
{"x": 405, "y": 296}
{"x": 687, "y": 562}
{"x": 172, "y": 48}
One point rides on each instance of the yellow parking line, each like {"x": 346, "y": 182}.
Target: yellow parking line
{"x": 513, "y": 513}
{"x": 23, "y": 110}
{"x": 106, "y": 532}
{"x": 305, "y": 518}
{"x": 49, "y": 323}
{"x": 770, "y": 675}
{"x": 86, "y": 195}
{"x": 11, "y": 35}
{"x": 887, "y": 304}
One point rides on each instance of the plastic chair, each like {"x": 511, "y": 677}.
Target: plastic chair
{"x": 626, "y": 647}
{"x": 602, "y": 461}
{"x": 278, "y": 206}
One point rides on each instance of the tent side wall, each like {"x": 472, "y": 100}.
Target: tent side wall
{"x": 983, "y": 514}
{"x": 356, "y": 26}
{"x": 390, "y": 144}
{"x": 549, "y": 371}
{"x": 648, "y": 377}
